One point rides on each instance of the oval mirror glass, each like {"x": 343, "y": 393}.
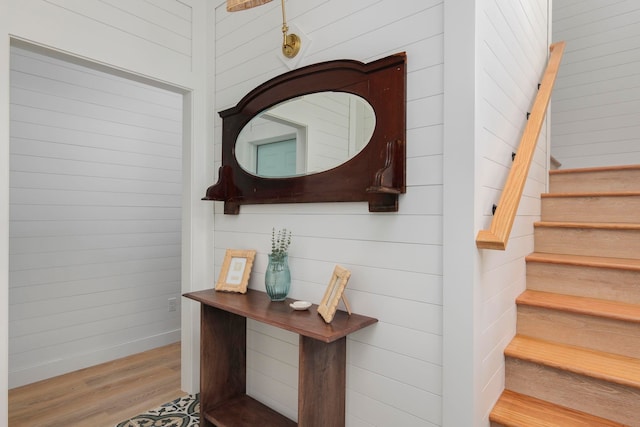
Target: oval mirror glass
{"x": 305, "y": 135}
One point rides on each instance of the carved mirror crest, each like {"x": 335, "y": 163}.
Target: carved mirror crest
{"x": 328, "y": 132}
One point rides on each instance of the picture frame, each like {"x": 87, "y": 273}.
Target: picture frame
{"x": 334, "y": 293}
{"x": 235, "y": 272}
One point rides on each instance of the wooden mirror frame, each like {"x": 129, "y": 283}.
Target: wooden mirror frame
{"x": 376, "y": 174}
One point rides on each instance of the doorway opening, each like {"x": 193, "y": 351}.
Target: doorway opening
{"x": 95, "y": 214}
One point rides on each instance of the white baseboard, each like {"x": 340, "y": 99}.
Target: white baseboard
{"x": 80, "y": 361}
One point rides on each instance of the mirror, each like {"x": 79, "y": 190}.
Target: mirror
{"x": 372, "y": 171}
{"x": 305, "y": 135}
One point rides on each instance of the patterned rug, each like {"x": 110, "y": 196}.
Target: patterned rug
{"x": 182, "y": 412}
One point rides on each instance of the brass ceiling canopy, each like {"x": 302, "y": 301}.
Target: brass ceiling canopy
{"x": 290, "y": 42}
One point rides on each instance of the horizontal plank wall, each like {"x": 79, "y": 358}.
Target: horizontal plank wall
{"x": 394, "y": 372}
{"x": 596, "y": 102}
{"x": 154, "y": 38}
{"x": 95, "y": 219}
{"x": 512, "y": 51}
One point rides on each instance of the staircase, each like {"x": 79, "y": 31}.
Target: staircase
{"x": 575, "y": 359}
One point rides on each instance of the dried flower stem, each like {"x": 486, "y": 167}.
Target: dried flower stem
{"x": 280, "y": 241}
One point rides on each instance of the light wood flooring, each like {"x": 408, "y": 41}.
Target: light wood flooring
{"x": 102, "y": 395}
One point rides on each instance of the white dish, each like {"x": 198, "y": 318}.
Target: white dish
{"x": 300, "y": 305}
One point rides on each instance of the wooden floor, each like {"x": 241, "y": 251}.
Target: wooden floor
{"x": 100, "y": 396}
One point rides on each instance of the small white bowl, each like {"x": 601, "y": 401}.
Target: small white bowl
{"x": 300, "y": 305}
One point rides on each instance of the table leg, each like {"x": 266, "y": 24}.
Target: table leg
{"x": 322, "y": 383}
{"x": 223, "y": 338}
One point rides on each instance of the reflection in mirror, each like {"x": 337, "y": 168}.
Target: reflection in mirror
{"x": 305, "y": 135}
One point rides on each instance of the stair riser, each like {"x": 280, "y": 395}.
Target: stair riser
{"x": 601, "y": 209}
{"x": 593, "y": 282}
{"x": 613, "y": 243}
{"x": 596, "y": 333}
{"x": 604, "y": 181}
{"x": 612, "y": 401}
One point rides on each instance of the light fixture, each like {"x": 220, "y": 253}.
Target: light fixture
{"x": 236, "y": 5}
{"x": 290, "y": 42}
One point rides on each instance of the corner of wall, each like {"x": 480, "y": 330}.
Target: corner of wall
{"x": 4, "y": 214}
{"x": 459, "y": 252}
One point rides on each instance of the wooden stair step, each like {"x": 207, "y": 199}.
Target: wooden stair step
{"x": 589, "y": 225}
{"x": 517, "y": 410}
{"x": 579, "y": 194}
{"x": 591, "y": 207}
{"x": 613, "y": 368}
{"x": 585, "y": 261}
{"x": 582, "y": 305}
{"x": 573, "y": 388}
{"x": 599, "y": 179}
{"x": 590, "y": 323}
{"x": 589, "y": 239}
{"x": 615, "y": 279}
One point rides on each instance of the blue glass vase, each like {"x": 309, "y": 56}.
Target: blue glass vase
{"x": 277, "y": 279}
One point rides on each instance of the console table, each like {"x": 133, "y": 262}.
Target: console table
{"x": 322, "y": 366}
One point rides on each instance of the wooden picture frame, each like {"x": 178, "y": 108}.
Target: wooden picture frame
{"x": 334, "y": 293}
{"x": 236, "y": 268}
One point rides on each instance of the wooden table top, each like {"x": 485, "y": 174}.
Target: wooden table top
{"x": 258, "y": 306}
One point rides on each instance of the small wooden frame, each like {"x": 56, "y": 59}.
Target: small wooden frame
{"x": 236, "y": 268}
{"x": 334, "y": 293}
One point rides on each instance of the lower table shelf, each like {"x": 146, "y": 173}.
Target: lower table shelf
{"x": 245, "y": 411}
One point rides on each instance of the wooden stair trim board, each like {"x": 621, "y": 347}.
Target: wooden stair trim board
{"x": 614, "y": 368}
{"x": 515, "y": 409}
{"x": 594, "y": 169}
{"x": 585, "y": 261}
{"x": 589, "y": 194}
{"x": 581, "y": 305}
{"x": 588, "y": 225}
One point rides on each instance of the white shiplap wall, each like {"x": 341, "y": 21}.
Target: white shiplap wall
{"x": 95, "y": 220}
{"x": 394, "y": 367}
{"x": 154, "y": 37}
{"x": 512, "y": 49}
{"x": 163, "y": 25}
{"x": 596, "y": 103}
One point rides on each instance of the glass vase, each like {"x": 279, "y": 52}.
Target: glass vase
{"x": 277, "y": 279}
